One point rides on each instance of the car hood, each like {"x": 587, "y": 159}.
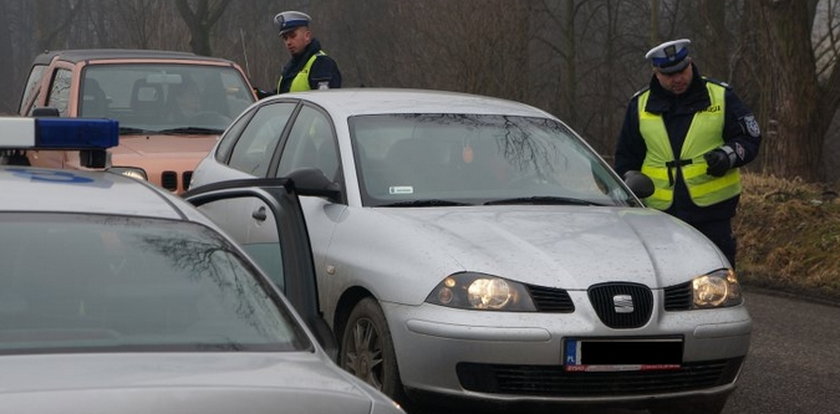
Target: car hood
{"x": 179, "y": 383}
{"x": 569, "y": 247}
{"x": 164, "y": 146}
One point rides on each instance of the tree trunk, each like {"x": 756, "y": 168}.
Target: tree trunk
{"x": 789, "y": 96}
{"x": 714, "y": 44}
{"x": 571, "y": 81}
{"x": 654, "y": 23}
{"x": 200, "y": 22}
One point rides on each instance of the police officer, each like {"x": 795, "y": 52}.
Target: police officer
{"x": 689, "y": 134}
{"x": 310, "y": 68}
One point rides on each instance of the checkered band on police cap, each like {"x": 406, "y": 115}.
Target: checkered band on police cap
{"x": 290, "y": 20}
{"x": 669, "y": 57}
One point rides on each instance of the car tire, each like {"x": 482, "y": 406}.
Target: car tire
{"x": 367, "y": 350}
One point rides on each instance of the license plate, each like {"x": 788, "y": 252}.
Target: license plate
{"x": 611, "y": 355}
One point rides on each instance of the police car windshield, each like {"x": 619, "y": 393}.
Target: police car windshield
{"x": 478, "y": 159}
{"x": 84, "y": 283}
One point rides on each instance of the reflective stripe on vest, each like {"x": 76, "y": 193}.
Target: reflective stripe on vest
{"x": 301, "y": 80}
{"x": 704, "y": 134}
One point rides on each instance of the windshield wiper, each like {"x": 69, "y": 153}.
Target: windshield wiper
{"x": 134, "y": 131}
{"x": 425, "y": 203}
{"x": 544, "y": 200}
{"x": 192, "y": 130}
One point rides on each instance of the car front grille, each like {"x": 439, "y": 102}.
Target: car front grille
{"x": 678, "y": 297}
{"x": 622, "y": 305}
{"x": 551, "y": 299}
{"x": 186, "y": 178}
{"x": 169, "y": 180}
{"x": 554, "y": 381}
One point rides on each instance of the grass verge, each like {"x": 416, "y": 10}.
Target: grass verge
{"x": 789, "y": 236}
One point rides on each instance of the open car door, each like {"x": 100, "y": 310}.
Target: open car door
{"x": 264, "y": 216}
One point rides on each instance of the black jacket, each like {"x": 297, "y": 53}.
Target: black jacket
{"x": 740, "y": 132}
{"x": 324, "y": 69}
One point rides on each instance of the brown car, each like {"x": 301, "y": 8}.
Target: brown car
{"x": 171, "y": 106}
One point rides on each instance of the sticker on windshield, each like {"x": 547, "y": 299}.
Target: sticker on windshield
{"x": 400, "y": 189}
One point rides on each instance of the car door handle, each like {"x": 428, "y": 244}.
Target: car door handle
{"x": 259, "y": 214}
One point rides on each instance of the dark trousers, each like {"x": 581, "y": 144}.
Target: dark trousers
{"x": 720, "y": 233}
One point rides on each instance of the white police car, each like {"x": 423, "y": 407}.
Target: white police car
{"x": 116, "y": 296}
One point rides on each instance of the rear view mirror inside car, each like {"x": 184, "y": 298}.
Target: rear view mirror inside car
{"x": 166, "y": 78}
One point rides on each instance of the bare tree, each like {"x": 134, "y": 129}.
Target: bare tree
{"x": 52, "y": 20}
{"x": 200, "y": 20}
{"x": 795, "y": 105}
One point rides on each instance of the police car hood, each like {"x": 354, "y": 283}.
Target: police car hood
{"x": 570, "y": 247}
{"x": 179, "y": 383}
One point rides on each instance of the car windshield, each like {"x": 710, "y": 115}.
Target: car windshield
{"x": 466, "y": 159}
{"x": 87, "y": 283}
{"x": 147, "y": 98}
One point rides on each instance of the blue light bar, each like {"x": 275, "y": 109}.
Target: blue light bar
{"x": 58, "y": 133}
{"x": 70, "y": 133}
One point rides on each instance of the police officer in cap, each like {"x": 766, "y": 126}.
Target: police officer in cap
{"x": 689, "y": 134}
{"x": 310, "y": 68}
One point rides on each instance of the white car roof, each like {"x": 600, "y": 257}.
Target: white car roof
{"x": 45, "y": 190}
{"x": 367, "y": 101}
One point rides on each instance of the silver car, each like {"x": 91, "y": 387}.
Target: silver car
{"x": 475, "y": 247}
{"x": 119, "y": 297}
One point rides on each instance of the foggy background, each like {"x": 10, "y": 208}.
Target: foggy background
{"x": 580, "y": 60}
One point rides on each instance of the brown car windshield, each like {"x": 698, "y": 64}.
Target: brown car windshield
{"x": 159, "y": 97}
{"x": 88, "y": 283}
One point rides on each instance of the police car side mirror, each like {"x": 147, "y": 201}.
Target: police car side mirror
{"x": 640, "y": 184}
{"x": 46, "y": 111}
{"x": 97, "y": 158}
{"x": 313, "y": 182}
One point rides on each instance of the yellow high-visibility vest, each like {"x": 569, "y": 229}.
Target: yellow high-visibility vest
{"x": 301, "y": 80}
{"x": 704, "y": 134}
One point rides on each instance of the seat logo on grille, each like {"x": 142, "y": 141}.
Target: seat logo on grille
{"x": 623, "y": 303}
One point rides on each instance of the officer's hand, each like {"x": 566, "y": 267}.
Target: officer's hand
{"x": 719, "y": 162}
{"x": 260, "y": 93}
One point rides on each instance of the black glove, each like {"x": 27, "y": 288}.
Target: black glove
{"x": 719, "y": 162}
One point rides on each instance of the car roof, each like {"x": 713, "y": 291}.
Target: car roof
{"x": 81, "y": 55}
{"x": 368, "y": 101}
{"x": 26, "y": 189}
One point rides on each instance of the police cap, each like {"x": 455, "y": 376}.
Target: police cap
{"x": 289, "y": 20}
{"x": 670, "y": 57}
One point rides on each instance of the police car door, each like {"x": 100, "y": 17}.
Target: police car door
{"x": 264, "y": 216}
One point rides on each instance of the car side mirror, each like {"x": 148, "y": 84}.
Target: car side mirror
{"x": 45, "y": 111}
{"x": 640, "y": 184}
{"x": 313, "y": 182}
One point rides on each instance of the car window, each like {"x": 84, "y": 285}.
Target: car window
{"x": 475, "y": 159}
{"x": 247, "y": 220}
{"x": 32, "y": 85}
{"x": 252, "y": 152}
{"x": 311, "y": 143}
{"x": 164, "y": 96}
{"x": 230, "y": 136}
{"x": 83, "y": 283}
{"x": 59, "y": 96}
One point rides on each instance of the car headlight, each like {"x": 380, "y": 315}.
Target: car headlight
{"x": 133, "y": 172}
{"x": 716, "y": 289}
{"x": 479, "y": 291}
